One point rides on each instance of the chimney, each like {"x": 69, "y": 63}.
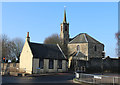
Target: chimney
{"x": 28, "y": 38}
{"x": 27, "y": 34}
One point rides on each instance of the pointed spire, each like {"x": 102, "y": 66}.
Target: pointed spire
{"x": 64, "y": 21}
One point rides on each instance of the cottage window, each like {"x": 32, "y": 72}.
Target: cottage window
{"x": 51, "y": 64}
{"x": 95, "y": 48}
{"x": 59, "y": 64}
{"x": 41, "y": 63}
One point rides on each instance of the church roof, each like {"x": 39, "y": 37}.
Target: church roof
{"x": 78, "y": 55}
{"x": 46, "y": 51}
{"x": 83, "y": 38}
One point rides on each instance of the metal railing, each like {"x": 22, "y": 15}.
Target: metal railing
{"x": 98, "y": 79}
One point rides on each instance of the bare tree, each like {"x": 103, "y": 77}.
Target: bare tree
{"x": 0, "y": 47}
{"x": 117, "y": 35}
{"x": 18, "y": 45}
{"x": 11, "y": 49}
{"x": 5, "y": 49}
{"x": 53, "y": 39}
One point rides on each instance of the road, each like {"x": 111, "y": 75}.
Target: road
{"x": 58, "y": 79}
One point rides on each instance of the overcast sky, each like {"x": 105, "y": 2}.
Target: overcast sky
{"x": 97, "y": 19}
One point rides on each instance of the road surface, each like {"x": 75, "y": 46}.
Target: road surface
{"x": 58, "y": 79}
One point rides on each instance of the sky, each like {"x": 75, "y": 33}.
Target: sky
{"x": 42, "y": 19}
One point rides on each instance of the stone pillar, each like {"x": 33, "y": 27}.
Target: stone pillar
{"x": 46, "y": 64}
{"x": 64, "y": 66}
{"x": 35, "y": 65}
{"x": 55, "y": 65}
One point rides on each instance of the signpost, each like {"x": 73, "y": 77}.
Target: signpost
{"x": 77, "y": 75}
{"x": 97, "y": 77}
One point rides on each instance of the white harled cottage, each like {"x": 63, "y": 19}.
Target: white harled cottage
{"x": 42, "y": 58}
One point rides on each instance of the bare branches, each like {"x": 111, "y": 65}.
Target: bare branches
{"x": 53, "y": 39}
{"x": 117, "y": 35}
{"x": 11, "y": 48}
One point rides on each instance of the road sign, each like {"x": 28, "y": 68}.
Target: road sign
{"x": 97, "y": 77}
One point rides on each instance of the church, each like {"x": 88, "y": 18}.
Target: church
{"x": 42, "y": 58}
{"x": 82, "y": 47}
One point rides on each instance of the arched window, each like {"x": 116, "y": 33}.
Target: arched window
{"x": 65, "y": 28}
{"x": 95, "y": 48}
{"x": 78, "y": 48}
{"x": 61, "y": 28}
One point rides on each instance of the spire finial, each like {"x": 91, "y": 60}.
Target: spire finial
{"x": 64, "y": 15}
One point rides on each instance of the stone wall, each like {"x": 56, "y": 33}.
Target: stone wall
{"x": 88, "y": 49}
{"x": 83, "y": 48}
{"x": 98, "y": 65}
{"x": 92, "y": 53}
{"x": 9, "y": 67}
{"x": 111, "y": 65}
{"x": 64, "y": 33}
{"x": 103, "y": 65}
{"x": 94, "y": 65}
{"x": 46, "y": 66}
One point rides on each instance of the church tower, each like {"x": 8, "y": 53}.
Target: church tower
{"x": 64, "y": 33}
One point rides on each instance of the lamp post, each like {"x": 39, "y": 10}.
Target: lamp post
{"x": 103, "y": 55}
{"x": 102, "y": 67}
{"x": 3, "y": 66}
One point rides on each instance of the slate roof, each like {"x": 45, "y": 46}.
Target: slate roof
{"x": 70, "y": 39}
{"x": 83, "y": 38}
{"x": 46, "y": 51}
{"x": 79, "y": 56}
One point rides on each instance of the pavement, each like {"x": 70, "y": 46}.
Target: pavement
{"x": 48, "y": 74}
{"x": 42, "y": 84}
{"x": 109, "y": 74}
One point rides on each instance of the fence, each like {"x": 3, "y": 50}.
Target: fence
{"x": 98, "y": 79}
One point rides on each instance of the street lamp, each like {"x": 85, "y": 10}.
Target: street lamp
{"x": 103, "y": 55}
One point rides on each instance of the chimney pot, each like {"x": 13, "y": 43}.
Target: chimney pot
{"x": 27, "y": 34}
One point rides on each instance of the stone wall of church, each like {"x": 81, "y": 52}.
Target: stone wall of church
{"x": 64, "y": 33}
{"x": 95, "y": 50}
{"x": 83, "y": 48}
